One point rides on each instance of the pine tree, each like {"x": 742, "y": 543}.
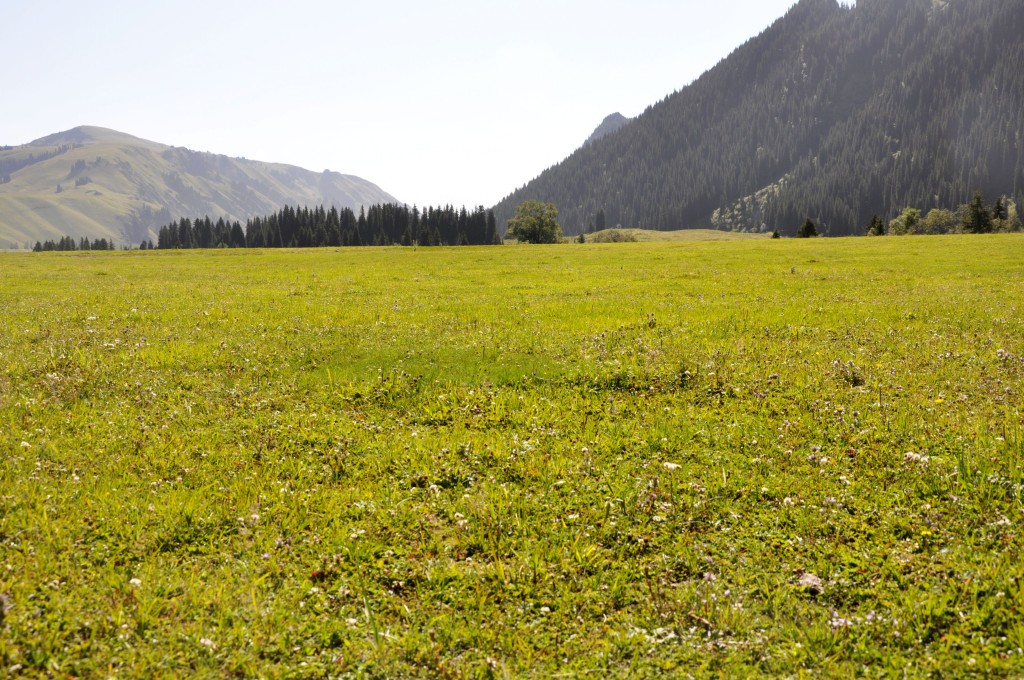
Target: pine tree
{"x": 977, "y": 219}
{"x": 999, "y": 209}
{"x": 807, "y": 229}
{"x": 876, "y": 227}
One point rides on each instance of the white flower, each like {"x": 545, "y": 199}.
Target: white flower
{"x": 671, "y": 466}
{"x": 135, "y": 582}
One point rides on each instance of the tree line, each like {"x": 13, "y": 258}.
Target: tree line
{"x": 66, "y": 243}
{"x": 974, "y": 217}
{"x": 294, "y": 227}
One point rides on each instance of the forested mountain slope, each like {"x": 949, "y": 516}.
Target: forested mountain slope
{"x": 834, "y": 113}
{"x": 100, "y": 183}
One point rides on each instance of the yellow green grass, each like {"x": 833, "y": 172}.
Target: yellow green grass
{"x": 588, "y": 460}
{"x": 646, "y": 235}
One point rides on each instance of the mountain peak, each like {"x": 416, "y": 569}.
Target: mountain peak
{"x": 610, "y": 124}
{"x": 85, "y": 134}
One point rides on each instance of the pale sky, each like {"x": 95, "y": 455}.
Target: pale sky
{"x": 448, "y": 101}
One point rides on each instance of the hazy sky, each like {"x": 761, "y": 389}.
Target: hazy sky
{"x": 448, "y": 101}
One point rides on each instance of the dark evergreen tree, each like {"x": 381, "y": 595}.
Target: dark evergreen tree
{"x": 977, "y": 219}
{"x": 807, "y": 229}
{"x": 999, "y": 211}
{"x": 237, "y": 239}
{"x": 876, "y": 227}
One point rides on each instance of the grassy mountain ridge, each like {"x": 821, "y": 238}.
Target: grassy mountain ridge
{"x": 96, "y": 182}
{"x": 833, "y": 112}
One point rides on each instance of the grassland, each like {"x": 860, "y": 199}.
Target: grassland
{"x": 781, "y": 458}
{"x": 647, "y": 235}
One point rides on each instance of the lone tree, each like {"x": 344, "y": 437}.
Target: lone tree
{"x": 535, "y": 222}
{"x": 807, "y": 229}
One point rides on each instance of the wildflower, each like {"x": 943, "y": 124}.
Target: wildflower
{"x": 838, "y": 622}
{"x": 135, "y": 582}
{"x": 671, "y": 466}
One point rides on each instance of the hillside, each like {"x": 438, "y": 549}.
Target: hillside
{"x": 96, "y": 182}
{"x": 833, "y": 112}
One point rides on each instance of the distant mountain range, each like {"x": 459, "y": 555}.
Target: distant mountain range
{"x": 100, "y": 183}
{"x": 835, "y": 112}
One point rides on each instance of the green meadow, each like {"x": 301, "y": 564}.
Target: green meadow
{"x": 739, "y": 458}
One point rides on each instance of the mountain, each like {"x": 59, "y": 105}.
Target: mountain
{"x": 609, "y": 125}
{"x": 834, "y": 112}
{"x": 100, "y": 183}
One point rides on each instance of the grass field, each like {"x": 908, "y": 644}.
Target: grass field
{"x": 645, "y": 235}
{"x": 755, "y": 457}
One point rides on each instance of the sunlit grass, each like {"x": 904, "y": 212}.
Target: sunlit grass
{"x": 472, "y": 462}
